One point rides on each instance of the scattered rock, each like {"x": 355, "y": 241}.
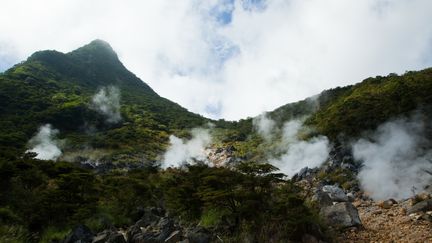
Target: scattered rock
{"x": 304, "y": 174}
{"x": 133, "y": 231}
{"x": 341, "y": 215}
{"x": 166, "y": 228}
{"x": 174, "y": 237}
{"x": 101, "y": 237}
{"x": 387, "y": 204}
{"x": 198, "y": 235}
{"x": 424, "y": 196}
{"x": 422, "y": 206}
{"x": 81, "y": 234}
{"x": 351, "y": 197}
{"x": 427, "y": 217}
{"x": 108, "y": 236}
{"x": 376, "y": 212}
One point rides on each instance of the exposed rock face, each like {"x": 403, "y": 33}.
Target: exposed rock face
{"x": 341, "y": 215}
{"x": 221, "y": 156}
{"x": 305, "y": 174}
{"x": 335, "y": 193}
{"x": 322, "y": 199}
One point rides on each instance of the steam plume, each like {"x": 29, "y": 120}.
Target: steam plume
{"x": 264, "y": 126}
{"x": 299, "y": 153}
{"x": 180, "y": 151}
{"x": 395, "y": 159}
{"x": 107, "y": 103}
{"x": 45, "y": 144}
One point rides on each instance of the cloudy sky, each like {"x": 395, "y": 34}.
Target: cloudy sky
{"x": 230, "y": 58}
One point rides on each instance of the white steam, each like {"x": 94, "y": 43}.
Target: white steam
{"x": 395, "y": 159}
{"x": 180, "y": 151}
{"x": 300, "y": 153}
{"x": 45, "y": 143}
{"x": 296, "y": 153}
{"x": 264, "y": 126}
{"x": 107, "y": 102}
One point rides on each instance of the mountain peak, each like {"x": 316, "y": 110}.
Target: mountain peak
{"x": 100, "y": 44}
{"x": 98, "y": 50}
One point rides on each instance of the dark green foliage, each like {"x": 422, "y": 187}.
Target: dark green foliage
{"x": 366, "y": 105}
{"x": 46, "y": 199}
{"x": 40, "y": 198}
{"x": 56, "y": 88}
{"x": 251, "y": 200}
{"x": 39, "y": 195}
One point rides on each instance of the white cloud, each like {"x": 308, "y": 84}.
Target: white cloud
{"x": 269, "y": 54}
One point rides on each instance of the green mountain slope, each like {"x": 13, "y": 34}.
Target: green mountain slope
{"x": 57, "y": 88}
{"x": 348, "y": 111}
{"x": 364, "y": 106}
{"x": 42, "y": 201}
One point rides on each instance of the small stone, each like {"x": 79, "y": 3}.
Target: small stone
{"x": 377, "y": 212}
{"x": 423, "y": 196}
{"x": 422, "y": 206}
{"x": 427, "y": 217}
{"x": 174, "y": 237}
{"x": 357, "y": 203}
{"x": 387, "y": 204}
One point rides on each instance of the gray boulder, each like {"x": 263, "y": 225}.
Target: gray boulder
{"x": 341, "y": 215}
{"x": 422, "y": 206}
{"x": 81, "y": 234}
{"x": 132, "y": 231}
{"x": 335, "y": 193}
{"x": 108, "y": 236}
{"x": 322, "y": 199}
{"x": 150, "y": 217}
{"x": 198, "y": 235}
{"x": 155, "y": 233}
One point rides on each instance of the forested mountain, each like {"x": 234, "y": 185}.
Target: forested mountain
{"x": 98, "y": 111}
{"x": 56, "y": 88}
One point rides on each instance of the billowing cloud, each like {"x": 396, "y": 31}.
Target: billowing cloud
{"x": 232, "y": 58}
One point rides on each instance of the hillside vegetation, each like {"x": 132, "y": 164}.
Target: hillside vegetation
{"x": 56, "y": 88}
{"x": 43, "y": 200}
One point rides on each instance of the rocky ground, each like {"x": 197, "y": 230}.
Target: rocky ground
{"x": 389, "y": 222}
{"x": 155, "y": 226}
{"x": 353, "y": 217}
